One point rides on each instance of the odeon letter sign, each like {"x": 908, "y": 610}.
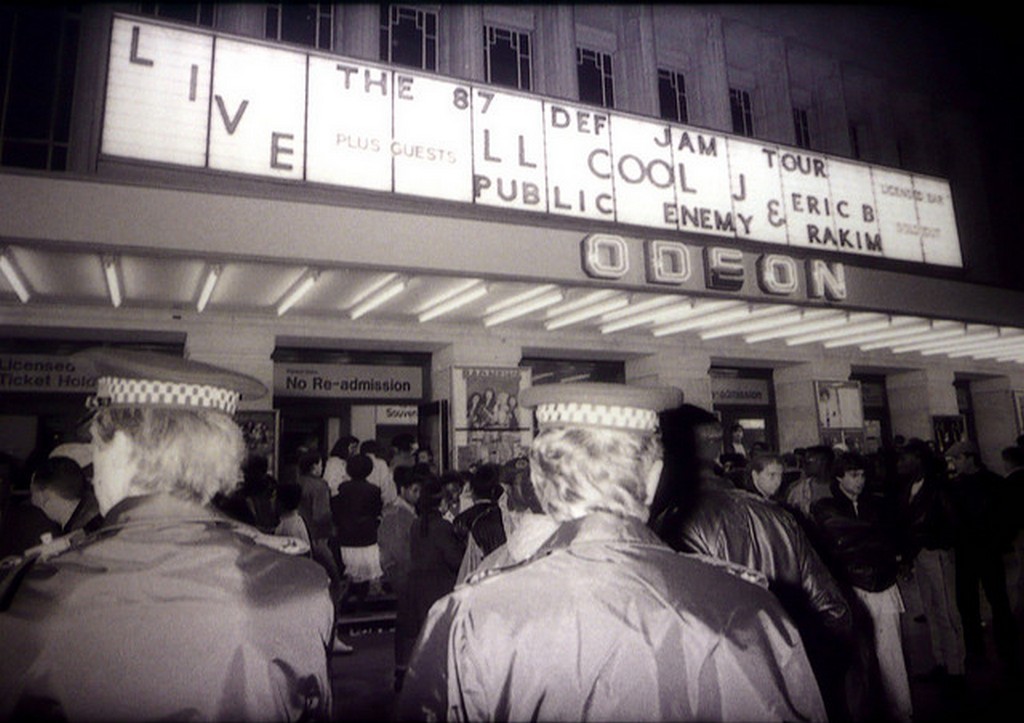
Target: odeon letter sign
{"x": 671, "y": 264}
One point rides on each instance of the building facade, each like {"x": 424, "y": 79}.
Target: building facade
{"x": 398, "y": 216}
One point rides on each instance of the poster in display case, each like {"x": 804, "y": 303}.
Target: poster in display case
{"x": 260, "y": 431}
{"x": 488, "y": 424}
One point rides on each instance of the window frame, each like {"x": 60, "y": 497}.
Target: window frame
{"x": 747, "y": 112}
{"x": 517, "y": 37}
{"x": 323, "y": 29}
{"x": 387, "y": 24}
{"x": 677, "y": 86}
{"x": 605, "y": 68}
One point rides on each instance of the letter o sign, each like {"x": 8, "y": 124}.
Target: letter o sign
{"x": 777, "y": 274}
{"x": 604, "y": 256}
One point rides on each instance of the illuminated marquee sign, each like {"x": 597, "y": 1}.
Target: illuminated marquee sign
{"x": 191, "y": 98}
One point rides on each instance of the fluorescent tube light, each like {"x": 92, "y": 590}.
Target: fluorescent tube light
{"x": 584, "y": 301}
{"x": 298, "y": 290}
{"x": 528, "y": 307}
{"x": 13, "y": 275}
{"x": 520, "y": 298}
{"x": 968, "y": 335}
{"x": 378, "y": 298}
{"x": 112, "y": 273}
{"x": 898, "y": 326}
{"x": 460, "y": 299}
{"x": 715, "y": 317}
{"x": 757, "y": 320}
{"x": 1006, "y": 340}
{"x": 589, "y": 312}
{"x": 811, "y": 320}
{"x": 935, "y": 331}
{"x": 640, "y": 307}
{"x": 212, "y": 277}
{"x": 459, "y": 288}
{"x": 854, "y": 323}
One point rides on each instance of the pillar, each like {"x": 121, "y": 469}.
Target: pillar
{"x": 357, "y": 26}
{"x": 464, "y": 47}
{"x": 239, "y": 348}
{"x": 635, "y": 30}
{"x": 916, "y": 396}
{"x": 689, "y": 372}
{"x": 995, "y": 417}
{"x": 796, "y": 405}
{"x": 556, "y": 51}
{"x": 249, "y": 19}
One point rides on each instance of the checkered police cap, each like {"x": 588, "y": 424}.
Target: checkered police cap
{"x": 128, "y": 378}
{"x": 606, "y": 406}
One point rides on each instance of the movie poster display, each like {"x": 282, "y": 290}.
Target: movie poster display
{"x": 840, "y": 413}
{"x": 260, "y": 431}
{"x": 488, "y": 423}
{"x": 948, "y": 429}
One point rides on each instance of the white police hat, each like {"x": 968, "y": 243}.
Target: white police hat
{"x": 595, "y": 404}
{"x": 130, "y": 378}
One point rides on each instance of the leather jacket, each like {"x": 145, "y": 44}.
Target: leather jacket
{"x": 745, "y": 528}
{"x": 860, "y": 543}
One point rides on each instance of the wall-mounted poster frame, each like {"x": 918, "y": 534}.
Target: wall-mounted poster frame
{"x": 1018, "y": 408}
{"x": 261, "y": 431}
{"x": 948, "y": 429}
{"x": 839, "y": 405}
{"x": 488, "y": 424}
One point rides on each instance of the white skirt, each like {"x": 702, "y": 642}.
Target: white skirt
{"x": 362, "y": 564}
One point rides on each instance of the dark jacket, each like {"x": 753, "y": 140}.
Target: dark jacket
{"x": 860, "y": 543}
{"x": 168, "y": 611}
{"x": 980, "y": 503}
{"x": 605, "y": 622}
{"x": 482, "y": 521}
{"x": 926, "y": 521}
{"x": 356, "y": 510}
{"x": 744, "y": 528}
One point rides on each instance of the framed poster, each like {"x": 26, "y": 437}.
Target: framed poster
{"x": 260, "y": 430}
{"x": 948, "y": 429}
{"x": 487, "y": 423}
{"x": 839, "y": 405}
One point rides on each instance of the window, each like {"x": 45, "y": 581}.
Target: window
{"x": 38, "y": 54}
{"x": 408, "y": 36}
{"x": 742, "y": 112}
{"x": 802, "y": 128}
{"x": 308, "y": 24}
{"x": 672, "y": 95}
{"x": 507, "y": 58}
{"x": 192, "y": 13}
{"x": 594, "y": 71}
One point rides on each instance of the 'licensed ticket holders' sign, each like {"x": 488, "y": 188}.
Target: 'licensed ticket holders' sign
{"x": 197, "y": 99}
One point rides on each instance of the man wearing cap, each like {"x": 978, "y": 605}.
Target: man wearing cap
{"x": 979, "y": 545}
{"x": 169, "y": 610}
{"x": 604, "y": 621}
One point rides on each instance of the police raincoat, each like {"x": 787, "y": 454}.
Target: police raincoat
{"x": 605, "y": 622}
{"x": 167, "y": 611}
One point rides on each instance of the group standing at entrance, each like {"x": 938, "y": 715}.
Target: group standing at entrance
{"x": 619, "y": 572}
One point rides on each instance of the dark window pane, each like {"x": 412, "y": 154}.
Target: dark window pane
{"x": 34, "y": 76}
{"x": 505, "y": 60}
{"x": 409, "y": 37}
{"x": 59, "y": 158}
{"x": 24, "y": 155}
{"x": 594, "y": 74}
{"x": 69, "y": 54}
{"x": 298, "y": 24}
{"x": 183, "y": 12}
{"x": 273, "y": 19}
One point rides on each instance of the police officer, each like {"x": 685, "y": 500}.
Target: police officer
{"x": 169, "y": 609}
{"x": 604, "y": 621}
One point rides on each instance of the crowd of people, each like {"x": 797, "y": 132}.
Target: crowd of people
{"x": 642, "y": 563}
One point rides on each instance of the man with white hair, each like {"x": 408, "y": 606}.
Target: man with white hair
{"x": 169, "y": 610}
{"x": 604, "y": 621}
